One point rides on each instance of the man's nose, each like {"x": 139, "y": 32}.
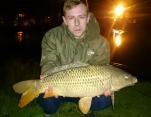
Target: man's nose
{"x": 76, "y": 22}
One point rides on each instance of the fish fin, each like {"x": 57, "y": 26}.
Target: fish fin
{"x": 22, "y": 86}
{"x": 27, "y": 97}
{"x": 66, "y": 66}
{"x": 50, "y": 92}
{"x": 85, "y": 104}
{"x": 112, "y": 97}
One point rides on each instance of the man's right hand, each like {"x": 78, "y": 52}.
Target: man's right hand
{"x": 42, "y": 76}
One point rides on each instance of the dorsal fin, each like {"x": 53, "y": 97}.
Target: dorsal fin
{"x": 65, "y": 67}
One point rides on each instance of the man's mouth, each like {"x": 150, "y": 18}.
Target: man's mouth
{"x": 77, "y": 30}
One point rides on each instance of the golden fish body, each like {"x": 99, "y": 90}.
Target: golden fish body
{"x": 78, "y": 82}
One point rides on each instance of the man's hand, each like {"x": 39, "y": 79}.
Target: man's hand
{"x": 42, "y": 76}
{"x": 107, "y": 93}
{"x": 49, "y": 91}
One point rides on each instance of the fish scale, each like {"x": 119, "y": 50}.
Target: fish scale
{"x": 71, "y": 79}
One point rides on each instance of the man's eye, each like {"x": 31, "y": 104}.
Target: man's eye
{"x": 70, "y": 18}
{"x": 82, "y": 17}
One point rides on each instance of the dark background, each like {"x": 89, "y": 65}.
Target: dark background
{"x": 32, "y": 18}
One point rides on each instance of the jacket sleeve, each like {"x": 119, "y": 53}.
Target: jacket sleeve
{"x": 102, "y": 52}
{"x": 49, "y": 57}
{"x": 100, "y": 43}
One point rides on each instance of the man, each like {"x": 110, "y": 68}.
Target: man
{"x": 78, "y": 39}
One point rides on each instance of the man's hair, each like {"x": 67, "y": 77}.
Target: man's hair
{"x": 69, "y": 4}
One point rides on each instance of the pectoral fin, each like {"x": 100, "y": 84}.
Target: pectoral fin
{"x": 50, "y": 92}
{"x": 85, "y": 104}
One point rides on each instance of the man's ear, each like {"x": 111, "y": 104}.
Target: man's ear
{"x": 64, "y": 20}
{"x": 88, "y": 18}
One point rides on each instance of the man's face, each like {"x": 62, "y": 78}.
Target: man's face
{"x": 76, "y": 19}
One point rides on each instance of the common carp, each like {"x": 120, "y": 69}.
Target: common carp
{"x": 84, "y": 81}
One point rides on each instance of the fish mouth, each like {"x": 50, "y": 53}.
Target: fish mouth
{"x": 134, "y": 82}
{"x": 133, "y": 79}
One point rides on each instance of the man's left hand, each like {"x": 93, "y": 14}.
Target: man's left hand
{"x": 107, "y": 93}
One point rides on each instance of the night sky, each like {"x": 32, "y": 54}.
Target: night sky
{"x": 32, "y": 7}
{"x": 50, "y": 7}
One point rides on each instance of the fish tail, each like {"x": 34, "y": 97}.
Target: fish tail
{"x": 27, "y": 97}
{"x": 28, "y": 89}
{"x": 23, "y": 86}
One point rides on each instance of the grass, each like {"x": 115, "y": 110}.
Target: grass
{"x": 129, "y": 102}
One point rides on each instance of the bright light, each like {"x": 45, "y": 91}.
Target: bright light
{"x": 119, "y": 10}
{"x": 20, "y": 36}
{"x": 118, "y": 40}
{"x": 117, "y": 37}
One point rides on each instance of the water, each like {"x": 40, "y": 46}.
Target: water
{"x": 21, "y": 42}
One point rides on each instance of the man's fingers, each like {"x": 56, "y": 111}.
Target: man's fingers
{"x": 42, "y": 77}
{"x": 107, "y": 93}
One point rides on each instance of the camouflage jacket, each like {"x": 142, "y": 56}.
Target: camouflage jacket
{"x": 60, "y": 47}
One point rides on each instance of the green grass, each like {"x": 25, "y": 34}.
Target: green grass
{"x": 132, "y": 101}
